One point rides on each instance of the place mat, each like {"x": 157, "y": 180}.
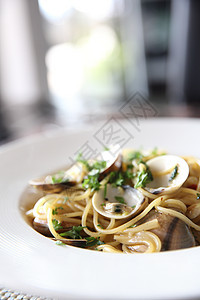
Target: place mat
{"x": 12, "y": 295}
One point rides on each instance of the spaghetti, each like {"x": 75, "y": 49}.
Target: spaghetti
{"x": 94, "y": 208}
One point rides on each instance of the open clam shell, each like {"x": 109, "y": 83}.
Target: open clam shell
{"x": 113, "y": 159}
{"x": 169, "y": 173}
{"x": 75, "y": 174}
{"x": 42, "y": 227}
{"x": 118, "y": 202}
{"x": 57, "y": 182}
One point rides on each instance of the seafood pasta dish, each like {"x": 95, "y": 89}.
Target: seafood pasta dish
{"x": 122, "y": 201}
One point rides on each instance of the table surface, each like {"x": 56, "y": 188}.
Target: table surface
{"x": 22, "y": 121}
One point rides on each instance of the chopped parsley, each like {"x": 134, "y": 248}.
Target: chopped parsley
{"x": 120, "y": 178}
{"x": 198, "y": 196}
{"x": 105, "y": 191}
{"x": 116, "y": 178}
{"x": 59, "y": 178}
{"x": 132, "y": 226}
{"x": 74, "y": 233}
{"x": 135, "y": 155}
{"x": 98, "y": 165}
{"x": 128, "y": 174}
{"x": 55, "y": 211}
{"x": 92, "y": 179}
{"x": 154, "y": 151}
{"x": 143, "y": 177}
{"x": 56, "y": 225}
{"x": 174, "y": 173}
{"x": 120, "y": 199}
{"x": 92, "y": 182}
{"x": 80, "y": 159}
{"x": 92, "y": 241}
{"x": 99, "y": 225}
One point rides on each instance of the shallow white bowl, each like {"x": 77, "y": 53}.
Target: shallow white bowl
{"x": 33, "y": 264}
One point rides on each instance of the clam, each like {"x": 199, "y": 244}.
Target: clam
{"x": 73, "y": 242}
{"x": 173, "y": 232}
{"x": 118, "y": 202}
{"x": 193, "y": 212}
{"x": 113, "y": 159}
{"x": 57, "y": 182}
{"x": 42, "y": 227}
{"x": 169, "y": 173}
{"x": 75, "y": 174}
{"x": 196, "y": 236}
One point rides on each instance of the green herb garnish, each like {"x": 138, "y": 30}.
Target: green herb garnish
{"x": 105, "y": 191}
{"x": 94, "y": 171}
{"x": 98, "y": 165}
{"x": 198, "y": 196}
{"x": 143, "y": 177}
{"x": 116, "y": 178}
{"x": 74, "y": 233}
{"x": 99, "y": 225}
{"x": 59, "y": 178}
{"x": 120, "y": 178}
{"x": 154, "y": 151}
{"x": 55, "y": 211}
{"x": 80, "y": 159}
{"x": 135, "y": 155}
{"x": 106, "y": 149}
{"x": 92, "y": 182}
{"x": 56, "y": 225}
{"x": 120, "y": 199}
{"x": 132, "y": 226}
{"x": 174, "y": 173}
{"x": 128, "y": 174}
{"x": 92, "y": 241}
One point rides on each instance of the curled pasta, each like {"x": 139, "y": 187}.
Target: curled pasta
{"x": 70, "y": 213}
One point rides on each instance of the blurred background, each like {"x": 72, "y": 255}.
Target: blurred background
{"x": 72, "y": 62}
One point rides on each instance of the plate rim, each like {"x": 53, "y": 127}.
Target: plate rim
{"x": 27, "y": 142}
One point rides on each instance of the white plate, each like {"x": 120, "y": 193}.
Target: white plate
{"x": 33, "y": 264}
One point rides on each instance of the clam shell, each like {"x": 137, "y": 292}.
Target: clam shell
{"x": 73, "y": 242}
{"x": 193, "y": 212}
{"x": 68, "y": 179}
{"x": 163, "y": 183}
{"x": 41, "y": 226}
{"x": 173, "y": 232}
{"x": 113, "y": 159}
{"x": 125, "y": 201}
